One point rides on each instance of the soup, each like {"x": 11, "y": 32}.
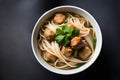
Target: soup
{"x": 67, "y": 40}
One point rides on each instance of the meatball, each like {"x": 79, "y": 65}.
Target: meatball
{"x": 68, "y": 52}
{"x": 85, "y": 53}
{"x": 77, "y": 44}
{"x": 50, "y": 57}
{"x": 59, "y": 18}
{"x": 49, "y": 34}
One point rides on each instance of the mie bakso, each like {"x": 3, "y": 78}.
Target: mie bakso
{"x": 67, "y": 40}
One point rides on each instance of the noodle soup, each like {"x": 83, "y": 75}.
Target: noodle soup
{"x": 67, "y": 40}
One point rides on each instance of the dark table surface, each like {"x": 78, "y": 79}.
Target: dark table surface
{"x": 17, "y": 19}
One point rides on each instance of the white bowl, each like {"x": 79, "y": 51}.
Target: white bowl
{"x": 48, "y": 14}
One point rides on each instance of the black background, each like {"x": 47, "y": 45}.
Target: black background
{"x": 17, "y": 19}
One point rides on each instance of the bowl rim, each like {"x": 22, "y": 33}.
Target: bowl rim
{"x": 73, "y": 71}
